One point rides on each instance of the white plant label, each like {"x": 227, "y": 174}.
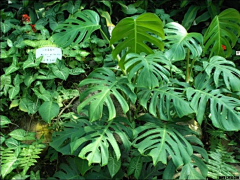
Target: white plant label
{"x": 50, "y": 54}
{"x": 238, "y": 53}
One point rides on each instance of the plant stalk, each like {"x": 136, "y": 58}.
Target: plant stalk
{"x": 187, "y": 67}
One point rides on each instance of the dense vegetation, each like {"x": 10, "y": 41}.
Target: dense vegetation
{"x": 144, "y": 89}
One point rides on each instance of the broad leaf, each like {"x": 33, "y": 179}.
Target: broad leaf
{"x": 105, "y": 85}
{"x": 31, "y": 61}
{"x": 135, "y": 33}
{"x": 223, "y": 30}
{"x": 22, "y": 135}
{"x": 222, "y": 109}
{"x": 4, "y": 121}
{"x": 113, "y": 165}
{"x": 48, "y": 110}
{"x": 13, "y": 67}
{"x": 77, "y": 28}
{"x": 147, "y": 69}
{"x": 160, "y": 140}
{"x": 220, "y": 66}
{"x": 98, "y": 137}
{"x": 68, "y": 170}
{"x": 60, "y": 70}
{"x": 13, "y": 91}
{"x": 165, "y": 102}
{"x": 179, "y": 40}
{"x": 135, "y": 167}
{"x": 61, "y": 139}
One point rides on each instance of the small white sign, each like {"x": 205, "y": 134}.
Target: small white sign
{"x": 238, "y": 53}
{"x": 50, "y": 54}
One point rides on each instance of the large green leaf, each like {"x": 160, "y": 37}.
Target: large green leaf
{"x": 105, "y": 84}
{"x": 165, "y": 102}
{"x": 150, "y": 73}
{"x": 179, "y": 40}
{"x": 98, "y": 137}
{"x": 61, "y": 139}
{"x": 222, "y": 109}
{"x": 223, "y": 30}
{"x": 160, "y": 141}
{"x": 68, "y": 170}
{"x": 135, "y": 33}
{"x": 77, "y": 28}
{"x": 220, "y": 66}
{"x": 93, "y": 141}
{"x": 48, "y": 110}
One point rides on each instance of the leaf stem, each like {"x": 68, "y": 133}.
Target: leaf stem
{"x": 187, "y": 67}
{"x": 112, "y": 46}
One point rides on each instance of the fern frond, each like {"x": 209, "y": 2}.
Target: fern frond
{"x": 29, "y": 155}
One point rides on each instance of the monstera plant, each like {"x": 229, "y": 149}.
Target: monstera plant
{"x": 133, "y": 114}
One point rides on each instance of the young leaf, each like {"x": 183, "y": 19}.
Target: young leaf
{"x": 113, "y": 164}
{"x": 135, "y": 166}
{"x": 48, "y": 110}
{"x": 135, "y": 31}
{"x": 223, "y": 30}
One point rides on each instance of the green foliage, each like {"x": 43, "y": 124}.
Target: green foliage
{"x": 136, "y": 31}
{"x": 105, "y": 84}
{"x": 178, "y": 38}
{"x": 17, "y": 155}
{"x": 143, "y": 116}
{"x": 222, "y": 108}
{"x": 223, "y": 30}
{"x": 80, "y": 26}
{"x": 218, "y": 163}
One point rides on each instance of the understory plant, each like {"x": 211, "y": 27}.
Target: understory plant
{"x": 145, "y": 81}
{"x": 133, "y": 113}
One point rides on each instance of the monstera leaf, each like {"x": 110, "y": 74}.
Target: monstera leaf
{"x": 69, "y": 170}
{"x": 222, "y": 108}
{"x": 160, "y": 141}
{"x": 219, "y": 65}
{"x": 99, "y": 137}
{"x": 165, "y": 100}
{"x": 150, "y": 72}
{"x": 93, "y": 141}
{"x": 179, "y": 39}
{"x": 77, "y": 28}
{"x": 223, "y": 30}
{"x": 105, "y": 84}
{"x": 135, "y": 33}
